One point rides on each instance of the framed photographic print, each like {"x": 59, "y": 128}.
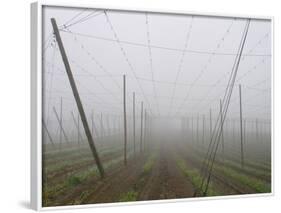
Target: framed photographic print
{"x": 133, "y": 105}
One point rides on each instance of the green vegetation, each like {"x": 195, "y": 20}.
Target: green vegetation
{"x": 254, "y": 183}
{"x": 133, "y": 194}
{"x": 195, "y": 177}
{"x": 148, "y": 164}
{"x": 251, "y": 170}
{"x": 51, "y": 191}
{"x": 257, "y": 167}
{"x": 78, "y": 158}
{"x": 129, "y": 196}
{"x": 236, "y": 174}
{"x": 73, "y": 181}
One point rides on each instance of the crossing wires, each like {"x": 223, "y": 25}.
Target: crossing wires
{"x": 181, "y": 61}
{"x": 150, "y": 60}
{"x": 207, "y": 164}
{"x": 204, "y": 68}
{"x": 239, "y": 78}
{"x": 126, "y": 58}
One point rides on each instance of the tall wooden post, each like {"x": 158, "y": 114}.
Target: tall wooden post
{"x": 203, "y": 130}
{"x": 145, "y": 130}
{"x": 141, "y": 136}
{"x": 125, "y": 120}
{"x": 197, "y": 130}
{"x": 257, "y": 131}
{"x": 241, "y": 128}
{"x": 114, "y": 125}
{"x": 101, "y": 126}
{"x": 192, "y": 137}
{"x": 60, "y": 122}
{"x": 48, "y": 133}
{"x": 222, "y": 139}
{"x": 78, "y": 129}
{"x": 211, "y": 123}
{"x": 188, "y": 127}
{"x": 108, "y": 125}
{"x": 134, "y": 123}
{"x": 92, "y": 120}
{"x": 245, "y": 134}
{"x": 233, "y": 131}
{"x": 77, "y": 97}
{"x": 76, "y": 123}
{"x": 94, "y": 128}
{"x": 182, "y": 128}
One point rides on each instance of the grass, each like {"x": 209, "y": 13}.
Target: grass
{"x": 73, "y": 181}
{"x": 195, "y": 177}
{"x": 251, "y": 170}
{"x": 254, "y": 183}
{"x": 129, "y": 196}
{"x": 81, "y": 159}
{"x": 50, "y": 192}
{"x": 66, "y": 164}
{"x": 258, "y": 185}
{"x": 133, "y": 194}
{"x": 254, "y": 164}
{"x": 148, "y": 164}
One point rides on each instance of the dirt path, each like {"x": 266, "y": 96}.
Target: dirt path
{"x": 163, "y": 180}
{"x": 113, "y": 186}
{"x": 166, "y": 181}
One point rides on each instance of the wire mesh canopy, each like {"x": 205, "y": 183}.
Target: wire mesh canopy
{"x": 177, "y": 64}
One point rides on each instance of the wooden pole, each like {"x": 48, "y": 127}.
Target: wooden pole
{"x": 134, "y": 123}
{"x": 233, "y": 130}
{"x": 48, "y": 133}
{"x": 197, "y": 130}
{"x": 125, "y": 120}
{"x": 60, "y": 124}
{"x": 76, "y": 123}
{"x": 77, "y": 97}
{"x": 141, "y": 136}
{"x": 241, "y": 128}
{"x": 203, "y": 130}
{"x": 113, "y": 125}
{"x": 92, "y": 119}
{"x": 94, "y": 128}
{"x": 182, "y": 128}
{"x": 187, "y": 126}
{"x": 257, "y": 131}
{"x": 211, "y": 123}
{"x": 101, "y": 126}
{"x": 108, "y": 125}
{"x": 222, "y": 139}
{"x": 245, "y": 134}
{"x": 78, "y": 128}
{"x": 192, "y": 130}
{"x": 145, "y": 130}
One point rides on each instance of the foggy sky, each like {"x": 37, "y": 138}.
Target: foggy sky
{"x": 170, "y": 82}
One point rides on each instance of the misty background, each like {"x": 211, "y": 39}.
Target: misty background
{"x": 178, "y": 65}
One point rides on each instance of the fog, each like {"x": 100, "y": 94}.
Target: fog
{"x": 177, "y": 65}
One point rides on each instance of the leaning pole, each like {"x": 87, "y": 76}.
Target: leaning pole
{"x": 77, "y": 98}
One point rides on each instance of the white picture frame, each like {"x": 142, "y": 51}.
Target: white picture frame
{"x": 36, "y": 102}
